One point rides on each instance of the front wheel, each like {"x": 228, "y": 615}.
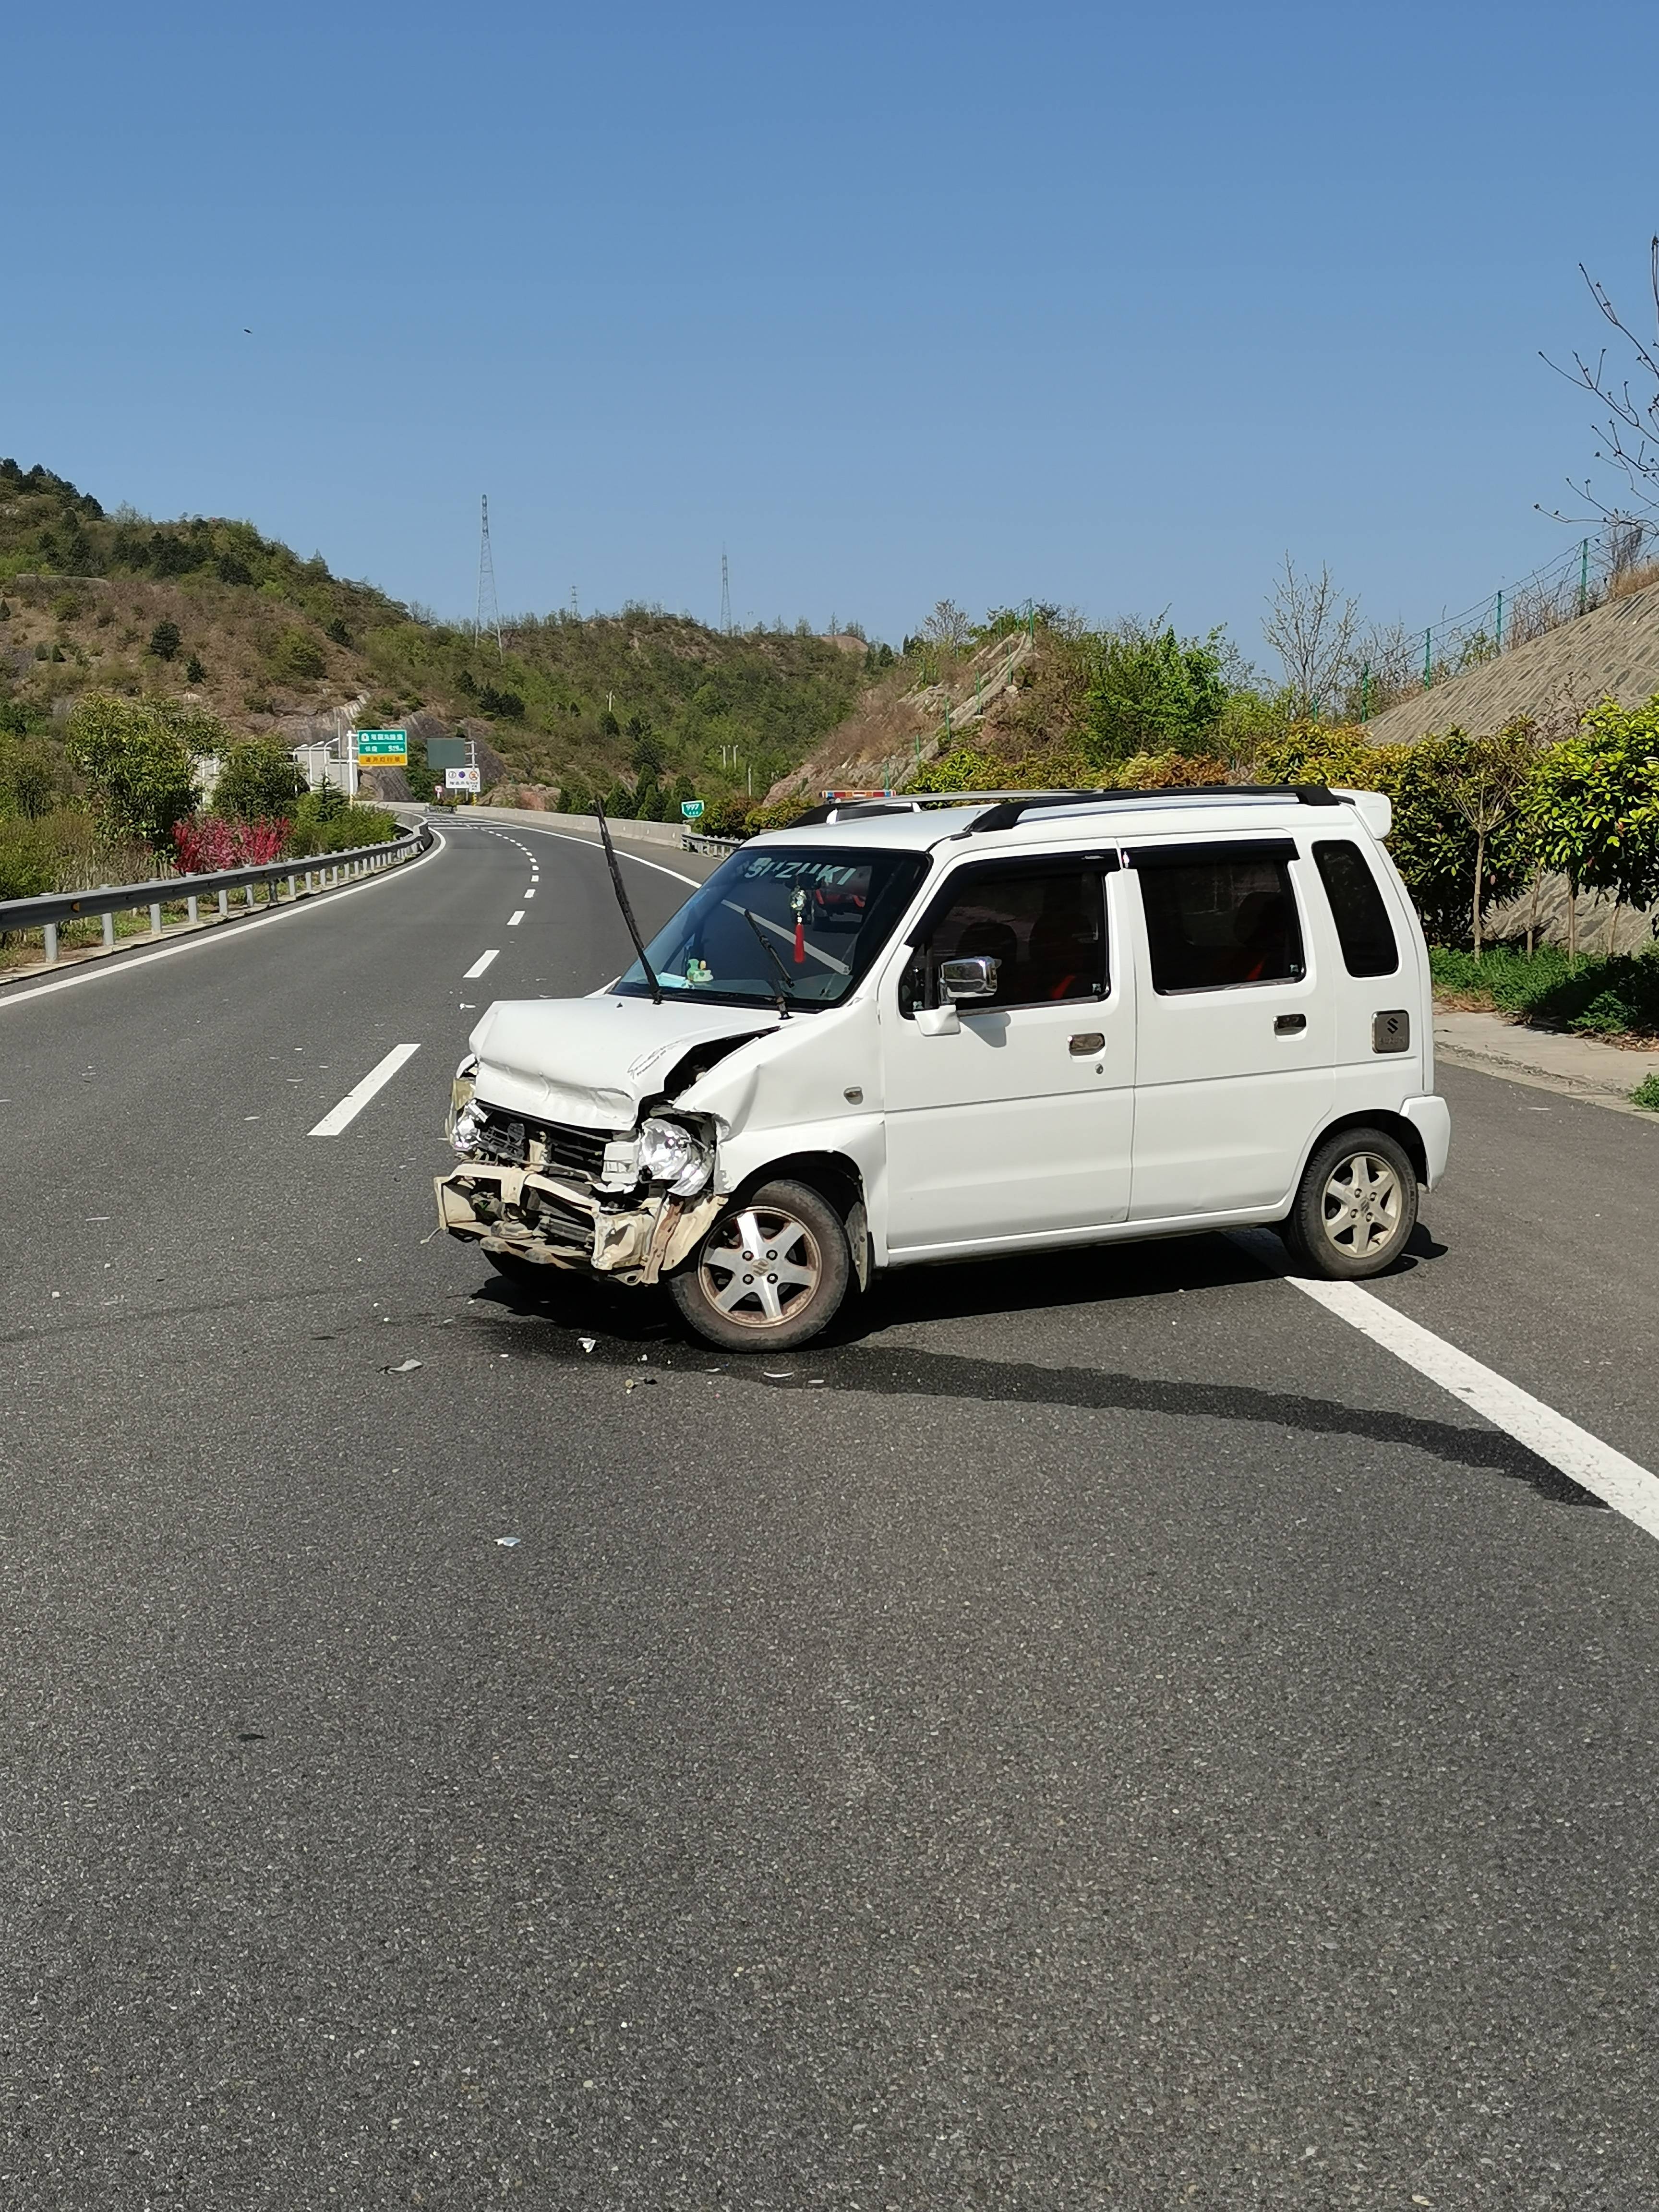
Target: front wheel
{"x": 1355, "y": 1208}
{"x": 770, "y": 1274}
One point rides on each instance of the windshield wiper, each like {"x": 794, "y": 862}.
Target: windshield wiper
{"x": 783, "y": 972}
{"x": 627, "y": 911}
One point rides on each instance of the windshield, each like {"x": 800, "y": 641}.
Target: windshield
{"x": 782, "y": 923}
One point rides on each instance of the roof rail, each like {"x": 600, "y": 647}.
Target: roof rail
{"x": 1005, "y": 808}
{"x": 1005, "y": 815}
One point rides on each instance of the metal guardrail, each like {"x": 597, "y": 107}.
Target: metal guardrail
{"x": 693, "y": 842}
{"x": 48, "y": 914}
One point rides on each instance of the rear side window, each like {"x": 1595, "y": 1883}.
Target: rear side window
{"x": 1216, "y": 920}
{"x": 1363, "y": 927}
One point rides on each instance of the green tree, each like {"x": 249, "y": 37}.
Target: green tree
{"x": 1486, "y": 780}
{"x": 297, "y": 655}
{"x": 1591, "y": 809}
{"x": 164, "y": 641}
{"x": 194, "y": 672}
{"x": 619, "y": 800}
{"x": 139, "y": 760}
{"x": 31, "y": 778}
{"x": 259, "y": 782}
{"x": 1151, "y": 692}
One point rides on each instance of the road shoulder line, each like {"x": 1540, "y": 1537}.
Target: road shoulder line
{"x": 124, "y": 965}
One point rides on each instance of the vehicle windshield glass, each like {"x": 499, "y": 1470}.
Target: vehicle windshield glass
{"x": 779, "y": 921}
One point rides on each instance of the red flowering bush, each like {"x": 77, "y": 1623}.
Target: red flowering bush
{"x": 208, "y": 843}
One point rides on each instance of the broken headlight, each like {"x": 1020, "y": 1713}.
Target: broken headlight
{"x": 460, "y": 1105}
{"x": 670, "y": 1153}
{"x": 464, "y": 1129}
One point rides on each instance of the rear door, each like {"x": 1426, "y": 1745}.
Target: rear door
{"x": 1234, "y": 1036}
{"x": 1019, "y": 1124}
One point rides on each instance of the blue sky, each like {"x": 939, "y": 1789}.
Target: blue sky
{"x": 1112, "y": 306}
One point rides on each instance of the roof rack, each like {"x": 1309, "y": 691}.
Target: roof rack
{"x": 1005, "y": 815}
{"x": 1005, "y": 808}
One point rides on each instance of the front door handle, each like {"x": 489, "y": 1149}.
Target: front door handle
{"x": 1289, "y": 1024}
{"x": 1087, "y": 1041}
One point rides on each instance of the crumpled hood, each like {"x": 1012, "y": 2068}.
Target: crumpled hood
{"x": 590, "y": 1061}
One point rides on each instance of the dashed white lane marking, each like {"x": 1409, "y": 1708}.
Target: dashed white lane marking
{"x": 479, "y": 965}
{"x": 1596, "y": 1467}
{"x": 531, "y": 893}
{"x": 514, "y": 920}
{"x": 356, "y": 1098}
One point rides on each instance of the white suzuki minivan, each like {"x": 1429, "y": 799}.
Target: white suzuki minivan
{"x": 907, "y": 1030}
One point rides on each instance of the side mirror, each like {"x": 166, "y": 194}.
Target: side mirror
{"x": 968, "y": 979}
{"x": 937, "y": 1021}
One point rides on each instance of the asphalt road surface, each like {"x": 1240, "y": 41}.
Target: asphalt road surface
{"x": 1101, "y": 1733}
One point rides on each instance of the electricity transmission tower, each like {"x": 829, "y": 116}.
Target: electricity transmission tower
{"x": 726, "y": 595}
{"x": 489, "y": 615}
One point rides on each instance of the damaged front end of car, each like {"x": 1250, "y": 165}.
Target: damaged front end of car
{"x": 630, "y": 1206}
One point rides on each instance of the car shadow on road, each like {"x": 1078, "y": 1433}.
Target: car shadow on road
{"x": 620, "y": 1325}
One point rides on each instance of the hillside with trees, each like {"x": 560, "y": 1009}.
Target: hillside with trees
{"x": 212, "y": 615}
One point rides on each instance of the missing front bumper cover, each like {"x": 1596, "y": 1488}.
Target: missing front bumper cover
{"x": 539, "y": 1218}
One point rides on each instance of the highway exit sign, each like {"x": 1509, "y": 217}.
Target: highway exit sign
{"x": 691, "y": 810}
{"x": 389, "y": 747}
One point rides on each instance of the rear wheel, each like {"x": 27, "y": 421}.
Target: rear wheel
{"x": 770, "y": 1274}
{"x": 1356, "y": 1206}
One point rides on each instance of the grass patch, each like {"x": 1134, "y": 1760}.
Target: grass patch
{"x": 1646, "y": 1094}
{"x": 1597, "y": 998}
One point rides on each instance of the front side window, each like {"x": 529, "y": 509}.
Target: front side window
{"x": 1043, "y": 928}
{"x": 1216, "y": 919}
{"x": 1363, "y": 927}
{"x": 785, "y": 922}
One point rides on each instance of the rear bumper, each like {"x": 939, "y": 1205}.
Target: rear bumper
{"x": 558, "y": 1225}
{"x": 1432, "y": 1118}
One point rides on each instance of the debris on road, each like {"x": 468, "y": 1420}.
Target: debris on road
{"x": 408, "y": 1368}
{"x": 507, "y": 1542}
{"x": 588, "y": 1343}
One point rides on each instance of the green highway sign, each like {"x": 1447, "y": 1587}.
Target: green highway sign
{"x": 389, "y": 746}
{"x": 690, "y": 809}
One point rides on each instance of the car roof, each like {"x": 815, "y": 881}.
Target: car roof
{"x": 1066, "y": 821}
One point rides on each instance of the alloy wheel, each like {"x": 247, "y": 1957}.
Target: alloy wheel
{"x": 760, "y": 1267}
{"x": 1361, "y": 1204}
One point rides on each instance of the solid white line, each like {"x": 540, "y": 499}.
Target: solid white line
{"x": 514, "y": 920}
{"x": 355, "y": 1100}
{"x": 319, "y": 902}
{"x": 479, "y": 965}
{"x": 1596, "y": 1467}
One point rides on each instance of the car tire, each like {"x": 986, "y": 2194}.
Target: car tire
{"x": 1356, "y": 1206}
{"x": 770, "y": 1274}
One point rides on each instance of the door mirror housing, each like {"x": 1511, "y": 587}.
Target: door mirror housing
{"x": 960, "y": 979}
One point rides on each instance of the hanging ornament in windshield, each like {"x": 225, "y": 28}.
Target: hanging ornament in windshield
{"x": 798, "y": 908}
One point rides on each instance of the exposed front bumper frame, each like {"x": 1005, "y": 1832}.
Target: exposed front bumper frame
{"x": 516, "y": 1211}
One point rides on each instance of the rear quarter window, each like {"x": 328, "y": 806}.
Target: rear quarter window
{"x": 1358, "y": 907}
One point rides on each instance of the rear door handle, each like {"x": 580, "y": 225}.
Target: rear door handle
{"x": 1289, "y": 1024}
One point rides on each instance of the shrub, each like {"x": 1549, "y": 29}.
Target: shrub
{"x": 1646, "y": 1094}
{"x": 194, "y": 672}
{"x": 297, "y": 656}
{"x": 209, "y": 842}
{"x": 25, "y": 860}
{"x": 164, "y": 641}
{"x": 504, "y": 706}
{"x": 1597, "y": 998}
{"x": 326, "y": 822}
